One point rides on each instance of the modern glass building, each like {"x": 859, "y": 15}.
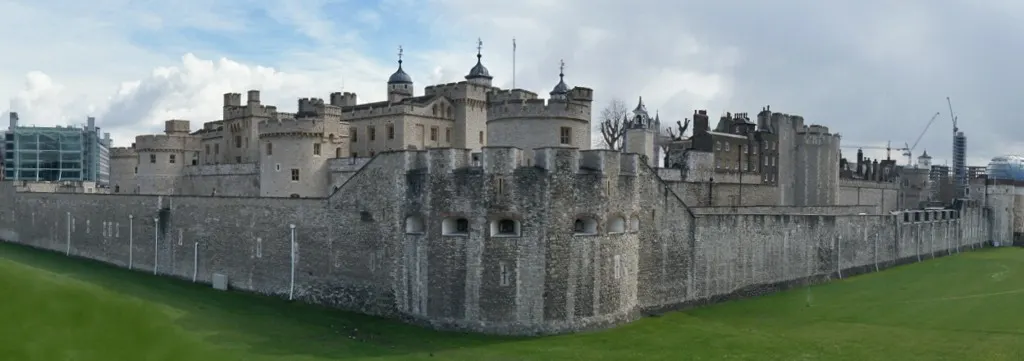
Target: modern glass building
{"x": 1007, "y": 167}
{"x": 56, "y": 153}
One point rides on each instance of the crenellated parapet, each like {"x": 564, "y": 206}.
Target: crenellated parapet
{"x": 301, "y": 127}
{"x": 123, "y": 152}
{"x": 166, "y": 143}
{"x": 539, "y": 109}
{"x": 507, "y": 160}
{"x": 460, "y": 90}
{"x": 389, "y": 109}
{"x": 504, "y": 95}
{"x": 316, "y": 107}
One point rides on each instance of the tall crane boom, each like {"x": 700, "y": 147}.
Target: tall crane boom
{"x": 910, "y": 148}
{"x": 951, "y": 116}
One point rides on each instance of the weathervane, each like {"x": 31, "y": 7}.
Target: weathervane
{"x": 399, "y": 54}
{"x": 561, "y": 67}
{"x": 479, "y": 45}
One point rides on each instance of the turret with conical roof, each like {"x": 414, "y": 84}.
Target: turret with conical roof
{"x": 400, "y": 84}
{"x": 561, "y": 90}
{"x": 479, "y": 74}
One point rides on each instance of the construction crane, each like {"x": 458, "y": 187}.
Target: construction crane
{"x": 951, "y": 116}
{"x": 888, "y": 148}
{"x": 910, "y": 149}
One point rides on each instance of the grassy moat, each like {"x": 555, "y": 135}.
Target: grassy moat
{"x": 965, "y": 307}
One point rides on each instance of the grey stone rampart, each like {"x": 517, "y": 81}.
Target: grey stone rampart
{"x": 575, "y": 241}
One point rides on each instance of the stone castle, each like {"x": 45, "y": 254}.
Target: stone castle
{"x": 482, "y": 209}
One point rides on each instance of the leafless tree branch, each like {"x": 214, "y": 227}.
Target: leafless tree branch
{"x": 613, "y": 124}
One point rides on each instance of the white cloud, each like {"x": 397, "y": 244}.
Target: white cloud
{"x": 873, "y": 71}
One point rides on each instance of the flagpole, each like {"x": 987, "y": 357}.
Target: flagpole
{"x": 513, "y": 63}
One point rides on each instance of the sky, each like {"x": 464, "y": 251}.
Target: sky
{"x": 874, "y": 71}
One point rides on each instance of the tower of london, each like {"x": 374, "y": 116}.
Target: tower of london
{"x": 476, "y": 208}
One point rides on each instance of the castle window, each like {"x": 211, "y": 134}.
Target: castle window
{"x": 117, "y": 189}
{"x": 499, "y": 185}
{"x": 565, "y": 135}
{"x": 295, "y": 175}
{"x": 505, "y": 228}
{"x": 195, "y": 161}
{"x": 337, "y": 152}
{"x": 136, "y": 170}
{"x": 617, "y": 267}
{"x": 372, "y": 132}
{"x": 726, "y": 145}
{"x": 481, "y": 137}
{"x": 316, "y": 149}
{"x": 216, "y": 149}
{"x": 414, "y": 225}
{"x": 616, "y": 224}
{"x": 451, "y": 113}
{"x": 391, "y": 131}
{"x": 207, "y": 149}
{"x": 433, "y": 134}
{"x": 634, "y": 224}
{"x": 238, "y": 141}
{"x": 718, "y": 146}
{"x": 448, "y": 135}
{"x": 505, "y": 274}
{"x": 238, "y": 159}
{"x": 435, "y": 109}
{"x": 277, "y": 167}
{"x": 455, "y": 227}
{"x": 585, "y": 226}
{"x": 152, "y": 158}
{"x": 270, "y": 148}
{"x": 355, "y": 134}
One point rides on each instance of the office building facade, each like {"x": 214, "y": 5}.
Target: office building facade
{"x": 55, "y": 154}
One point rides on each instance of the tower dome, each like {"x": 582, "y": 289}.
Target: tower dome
{"x": 561, "y": 90}
{"x": 479, "y": 72}
{"x": 400, "y": 77}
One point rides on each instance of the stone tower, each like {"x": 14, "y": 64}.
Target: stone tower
{"x": 640, "y": 134}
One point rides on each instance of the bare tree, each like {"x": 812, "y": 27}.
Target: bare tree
{"x": 613, "y": 124}
{"x": 673, "y": 136}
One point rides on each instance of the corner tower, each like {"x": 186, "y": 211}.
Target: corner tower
{"x": 561, "y": 121}
{"x": 400, "y": 84}
{"x": 294, "y": 153}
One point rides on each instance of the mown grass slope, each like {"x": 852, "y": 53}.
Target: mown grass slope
{"x": 965, "y": 307}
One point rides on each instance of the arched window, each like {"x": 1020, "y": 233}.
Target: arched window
{"x": 337, "y": 152}
{"x": 585, "y": 226}
{"x": 616, "y": 224}
{"x": 505, "y": 228}
{"x": 455, "y": 227}
{"x": 414, "y": 225}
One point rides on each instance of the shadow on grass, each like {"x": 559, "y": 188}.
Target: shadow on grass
{"x": 259, "y": 324}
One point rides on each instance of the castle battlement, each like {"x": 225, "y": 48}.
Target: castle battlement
{"x": 503, "y": 95}
{"x": 311, "y": 127}
{"x": 123, "y": 152}
{"x": 539, "y": 108}
{"x": 815, "y": 129}
{"x": 165, "y": 143}
{"x": 346, "y": 99}
{"x": 383, "y": 110}
{"x": 460, "y": 90}
{"x": 309, "y": 106}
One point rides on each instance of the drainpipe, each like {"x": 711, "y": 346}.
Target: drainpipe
{"x": 131, "y": 239}
{"x": 291, "y": 283}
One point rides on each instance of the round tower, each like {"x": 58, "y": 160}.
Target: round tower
{"x": 400, "y": 84}
{"x": 294, "y": 154}
{"x": 123, "y": 165}
{"x": 562, "y": 121}
{"x": 162, "y": 158}
{"x": 478, "y": 74}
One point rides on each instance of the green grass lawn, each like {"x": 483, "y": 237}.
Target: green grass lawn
{"x": 965, "y": 307}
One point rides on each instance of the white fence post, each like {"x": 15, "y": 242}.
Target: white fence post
{"x": 291, "y": 284}
{"x": 839, "y": 256}
{"x": 195, "y": 261}
{"x": 68, "y": 252}
{"x": 131, "y": 240}
{"x": 156, "y": 243}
